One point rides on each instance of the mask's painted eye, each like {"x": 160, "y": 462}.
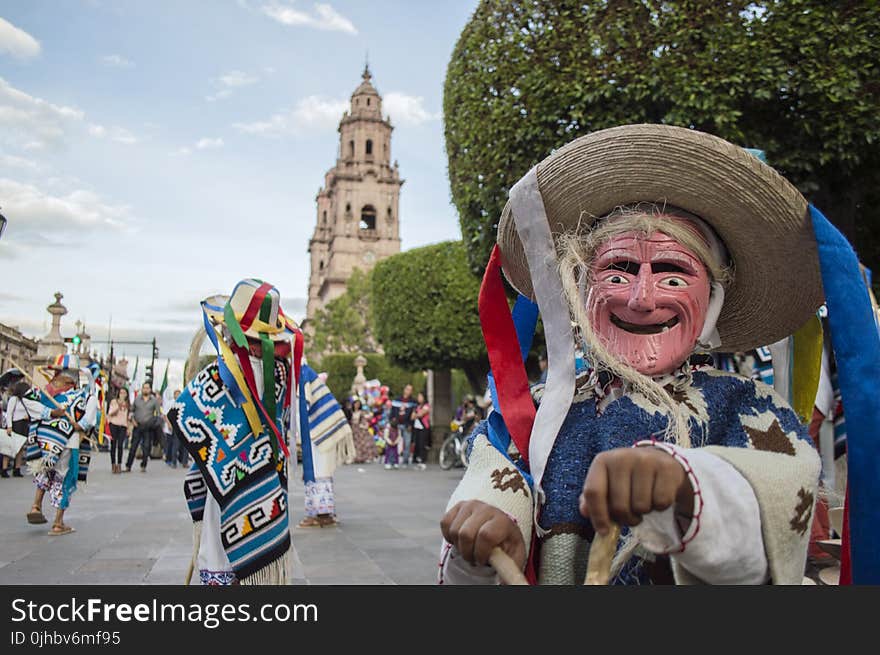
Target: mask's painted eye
{"x": 674, "y": 282}
{"x": 616, "y": 278}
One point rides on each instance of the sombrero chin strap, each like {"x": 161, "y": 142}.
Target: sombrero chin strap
{"x": 533, "y": 229}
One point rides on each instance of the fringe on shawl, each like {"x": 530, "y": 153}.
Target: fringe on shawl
{"x": 197, "y": 542}
{"x": 274, "y": 573}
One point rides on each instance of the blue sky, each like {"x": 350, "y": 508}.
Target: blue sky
{"x": 179, "y": 147}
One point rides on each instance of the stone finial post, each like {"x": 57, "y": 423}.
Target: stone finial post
{"x": 357, "y": 387}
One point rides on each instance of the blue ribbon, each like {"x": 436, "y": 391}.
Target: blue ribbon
{"x": 525, "y": 320}
{"x": 223, "y": 369}
{"x": 305, "y": 434}
{"x": 857, "y": 352}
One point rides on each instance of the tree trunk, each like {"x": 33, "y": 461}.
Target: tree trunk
{"x": 442, "y": 411}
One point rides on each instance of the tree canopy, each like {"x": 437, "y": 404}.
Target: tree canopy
{"x": 798, "y": 79}
{"x": 344, "y": 325}
{"x": 425, "y": 311}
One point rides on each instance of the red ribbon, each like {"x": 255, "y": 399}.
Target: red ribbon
{"x": 505, "y": 358}
{"x": 254, "y": 306}
{"x": 845, "y": 554}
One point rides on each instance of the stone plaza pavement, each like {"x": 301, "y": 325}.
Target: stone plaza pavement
{"x": 134, "y": 529}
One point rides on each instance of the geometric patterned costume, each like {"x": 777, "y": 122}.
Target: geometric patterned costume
{"x": 56, "y": 455}
{"x": 237, "y": 475}
{"x": 327, "y": 430}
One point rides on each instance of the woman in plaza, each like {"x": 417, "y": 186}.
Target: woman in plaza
{"x": 119, "y": 416}
{"x": 365, "y": 445}
{"x": 421, "y": 421}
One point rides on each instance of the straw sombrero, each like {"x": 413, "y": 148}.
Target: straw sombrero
{"x": 762, "y": 218}
{"x": 255, "y": 307}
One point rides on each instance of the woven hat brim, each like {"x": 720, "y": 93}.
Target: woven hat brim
{"x": 217, "y": 318}
{"x": 762, "y": 218}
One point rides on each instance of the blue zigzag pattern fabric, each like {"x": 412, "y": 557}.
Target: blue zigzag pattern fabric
{"x": 47, "y": 438}
{"x": 236, "y": 467}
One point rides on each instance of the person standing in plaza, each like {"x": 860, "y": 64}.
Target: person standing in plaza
{"x": 421, "y": 418}
{"x": 364, "y": 444}
{"x": 119, "y": 415}
{"x": 403, "y": 410}
{"x": 17, "y": 420}
{"x": 144, "y": 410}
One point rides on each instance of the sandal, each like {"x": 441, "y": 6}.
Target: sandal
{"x": 36, "y": 516}
{"x": 58, "y": 530}
{"x": 327, "y": 520}
{"x": 310, "y": 522}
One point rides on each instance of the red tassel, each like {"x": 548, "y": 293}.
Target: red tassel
{"x": 845, "y": 555}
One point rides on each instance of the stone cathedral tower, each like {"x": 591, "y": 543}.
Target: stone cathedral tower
{"x": 357, "y": 221}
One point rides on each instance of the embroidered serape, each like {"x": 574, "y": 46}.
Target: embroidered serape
{"x": 238, "y": 468}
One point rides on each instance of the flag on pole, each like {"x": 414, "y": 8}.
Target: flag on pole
{"x": 134, "y": 375}
{"x": 164, "y": 379}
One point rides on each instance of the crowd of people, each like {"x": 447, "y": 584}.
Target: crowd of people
{"x": 394, "y": 432}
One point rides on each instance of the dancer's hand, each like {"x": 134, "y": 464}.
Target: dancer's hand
{"x": 475, "y": 528}
{"x": 57, "y": 413}
{"x": 624, "y": 484}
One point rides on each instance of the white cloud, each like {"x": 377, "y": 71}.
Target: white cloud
{"x": 237, "y": 78}
{"x": 227, "y": 82}
{"x": 117, "y": 61}
{"x": 312, "y": 112}
{"x": 403, "y": 108}
{"x": 117, "y": 134}
{"x": 204, "y": 143}
{"x": 323, "y": 17}
{"x": 32, "y": 122}
{"x": 39, "y": 218}
{"x": 19, "y": 163}
{"x": 207, "y": 144}
{"x": 17, "y": 42}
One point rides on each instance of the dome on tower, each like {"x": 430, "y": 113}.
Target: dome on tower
{"x": 366, "y": 101}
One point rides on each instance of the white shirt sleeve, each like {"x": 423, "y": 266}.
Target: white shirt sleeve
{"x": 7, "y": 416}
{"x": 723, "y": 543}
{"x": 87, "y": 422}
{"x": 212, "y": 556}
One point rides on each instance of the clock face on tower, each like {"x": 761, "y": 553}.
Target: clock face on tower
{"x": 369, "y": 257}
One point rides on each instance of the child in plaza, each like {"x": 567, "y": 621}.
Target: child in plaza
{"x": 393, "y": 444}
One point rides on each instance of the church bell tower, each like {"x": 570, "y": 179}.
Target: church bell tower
{"x": 357, "y": 221}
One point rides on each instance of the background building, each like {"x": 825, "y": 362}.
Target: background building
{"x": 357, "y": 222}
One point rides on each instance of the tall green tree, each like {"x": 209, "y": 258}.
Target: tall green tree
{"x": 345, "y": 324}
{"x": 425, "y": 311}
{"x": 799, "y": 79}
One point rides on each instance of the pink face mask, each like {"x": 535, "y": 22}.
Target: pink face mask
{"x": 648, "y": 301}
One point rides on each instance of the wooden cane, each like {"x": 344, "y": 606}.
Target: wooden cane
{"x": 70, "y": 418}
{"x": 506, "y": 568}
{"x": 601, "y": 553}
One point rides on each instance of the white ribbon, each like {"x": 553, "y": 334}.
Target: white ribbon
{"x": 533, "y": 228}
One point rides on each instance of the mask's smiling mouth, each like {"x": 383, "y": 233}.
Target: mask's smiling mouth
{"x": 652, "y": 328}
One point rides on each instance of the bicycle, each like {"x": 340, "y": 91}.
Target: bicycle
{"x": 453, "y": 451}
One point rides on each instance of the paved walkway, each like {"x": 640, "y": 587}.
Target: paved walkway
{"x": 134, "y": 529}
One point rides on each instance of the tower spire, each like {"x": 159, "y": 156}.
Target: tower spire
{"x": 367, "y": 75}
